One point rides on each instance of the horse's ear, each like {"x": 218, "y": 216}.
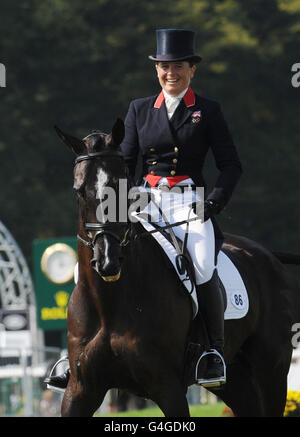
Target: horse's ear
{"x": 76, "y": 145}
{"x": 118, "y": 132}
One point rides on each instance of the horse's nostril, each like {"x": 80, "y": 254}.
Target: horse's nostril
{"x": 106, "y": 268}
{"x": 111, "y": 268}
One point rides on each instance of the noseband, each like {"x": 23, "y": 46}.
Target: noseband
{"x": 102, "y": 228}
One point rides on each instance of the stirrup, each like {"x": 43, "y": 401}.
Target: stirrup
{"x": 52, "y": 387}
{"x": 211, "y": 382}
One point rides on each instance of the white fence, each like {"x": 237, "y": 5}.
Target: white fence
{"x": 22, "y": 391}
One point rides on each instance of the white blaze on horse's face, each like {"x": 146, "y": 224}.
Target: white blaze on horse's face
{"x": 102, "y": 179}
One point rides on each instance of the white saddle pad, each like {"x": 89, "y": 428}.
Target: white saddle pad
{"x": 237, "y": 296}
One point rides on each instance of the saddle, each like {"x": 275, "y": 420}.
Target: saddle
{"x": 183, "y": 260}
{"x": 236, "y": 301}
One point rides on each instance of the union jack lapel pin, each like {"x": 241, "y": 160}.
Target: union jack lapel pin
{"x": 196, "y": 116}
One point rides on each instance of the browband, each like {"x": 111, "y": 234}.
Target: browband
{"x": 98, "y": 154}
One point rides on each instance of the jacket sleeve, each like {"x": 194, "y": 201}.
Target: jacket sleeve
{"x": 130, "y": 144}
{"x": 226, "y": 158}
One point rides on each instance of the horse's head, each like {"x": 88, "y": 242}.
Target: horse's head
{"x": 99, "y": 170}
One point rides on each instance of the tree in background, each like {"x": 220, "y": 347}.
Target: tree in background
{"x": 79, "y": 65}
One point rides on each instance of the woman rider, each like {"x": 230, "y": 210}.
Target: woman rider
{"x": 173, "y": 131}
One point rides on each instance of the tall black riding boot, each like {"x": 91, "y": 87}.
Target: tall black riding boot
{"x": 58, "y": 383}
{"x": 211, "y": 307}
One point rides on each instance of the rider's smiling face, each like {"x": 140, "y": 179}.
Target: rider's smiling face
{"x": 175, "y": 76}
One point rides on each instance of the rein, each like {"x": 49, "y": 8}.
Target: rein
{"x": 108, "y": 228}
{"x": 126, "y": 240}
{"x": 182, "y": 262}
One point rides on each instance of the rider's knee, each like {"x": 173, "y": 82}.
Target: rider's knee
{"x": 205, "y": 272}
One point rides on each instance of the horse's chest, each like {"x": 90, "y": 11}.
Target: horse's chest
{"x": 123, "y": 344}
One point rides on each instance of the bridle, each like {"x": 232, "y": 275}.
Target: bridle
{"x": 93, "y": 155}
{"x": 107, "y": 228}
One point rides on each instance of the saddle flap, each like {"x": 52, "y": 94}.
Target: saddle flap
{"x": 237, "y": 301}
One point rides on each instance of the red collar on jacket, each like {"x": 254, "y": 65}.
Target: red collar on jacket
{"x": 189, "y": 98}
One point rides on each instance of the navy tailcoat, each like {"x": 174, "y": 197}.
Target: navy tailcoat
{"x": 179, "y": 146}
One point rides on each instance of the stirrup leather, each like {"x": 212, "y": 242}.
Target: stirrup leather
{"x": 211, "y": 382}
{"x": 52, "y": 387}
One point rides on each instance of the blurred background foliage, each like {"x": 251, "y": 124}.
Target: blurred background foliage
{"x": 79, "y": 64}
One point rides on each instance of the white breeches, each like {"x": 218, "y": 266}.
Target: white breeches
{"x": 201, "y": 239}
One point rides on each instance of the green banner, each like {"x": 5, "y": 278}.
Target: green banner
{"x": 54, "y": 260}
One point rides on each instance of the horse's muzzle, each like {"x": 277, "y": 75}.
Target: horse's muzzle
{"x": 111, "y": 278}
{"x": 109, "y": 271}
{"x": 106, "y": 261}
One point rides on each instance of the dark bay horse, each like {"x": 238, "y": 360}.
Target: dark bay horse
{"x": 129, "y": 319}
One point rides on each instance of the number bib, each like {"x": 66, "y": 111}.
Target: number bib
{"x": 237, "y": 300}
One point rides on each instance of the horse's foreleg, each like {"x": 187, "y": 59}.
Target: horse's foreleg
{"x": 171, "y": 399}
{"x": 78, "y": 403}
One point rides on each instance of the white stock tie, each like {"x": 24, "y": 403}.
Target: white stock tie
{"x": 172, "y": 102}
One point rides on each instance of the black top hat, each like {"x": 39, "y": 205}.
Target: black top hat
{"x": 175, "y": 45}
